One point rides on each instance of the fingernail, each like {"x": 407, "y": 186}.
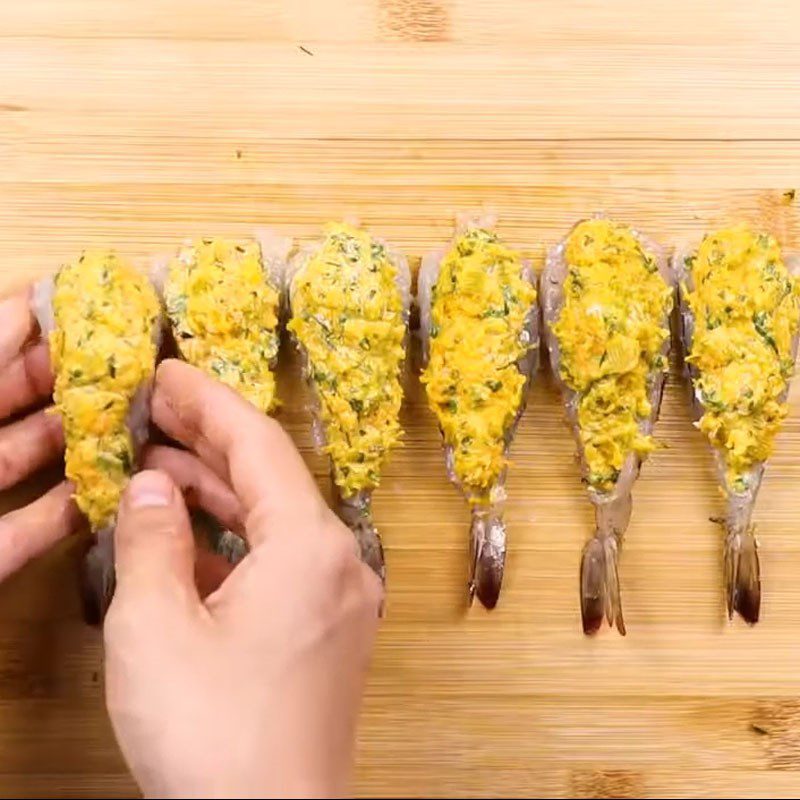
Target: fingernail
{"x": 149, "y": 488}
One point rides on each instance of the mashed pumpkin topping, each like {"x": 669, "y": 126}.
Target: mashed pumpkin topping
{"x": 348, "y": 316}
{"x": 223, "y": 307}
{"x": 611, "y": 331}
{"x": 102, "y": 351}
{"x": 480, "y": 307}
{"x": 745, "y": 306}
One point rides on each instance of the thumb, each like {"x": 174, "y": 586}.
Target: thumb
{"x": 154, "y": 545}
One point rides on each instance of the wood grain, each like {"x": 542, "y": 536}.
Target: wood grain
{"x": 140, "y": 122}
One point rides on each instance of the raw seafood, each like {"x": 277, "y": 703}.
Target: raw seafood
{"x": 349, "y": 299}
{"x": 740, "y": 303}
{"x": 102, "y": 319}
{"x": 607, "y": 295}
{"x": 223, "y": 302}
{"x": 479, "y": 323}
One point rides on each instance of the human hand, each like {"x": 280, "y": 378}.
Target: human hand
{"x": 256, "y": 691}
{"x": 30, "y": 442}
{"x": 34, "y": 440}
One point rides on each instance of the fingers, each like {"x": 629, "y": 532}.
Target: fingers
{"x": 17, "y": 324}
{"x": 28, "y": 445}
{"x": 25, "y": 380}
{"x": 154, "y": 548}
{"x": 200, "y": 485}
{"x": 204, "y": 488}
{"x": 30, "y": 531}
{"x": 249, "y": 449}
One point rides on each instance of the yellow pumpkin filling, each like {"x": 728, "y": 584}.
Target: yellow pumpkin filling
{"x": 348, "y": 315}
{"x": 611, "y": 331}
{"x": 480, "y": 306}
{"x": 223, "y": 307}
{"x": 745, "y": 306}
{"x": 102, "y": 351}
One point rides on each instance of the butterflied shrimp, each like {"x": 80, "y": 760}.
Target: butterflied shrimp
{"x": 740, "y": 308}
{"x": 479, "y": 322}
{"x": 349, "y": 300}
{"x": 608, "y": 293}
{"x": 102, "y": 319}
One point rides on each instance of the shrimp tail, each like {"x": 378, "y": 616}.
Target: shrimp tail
{"x": 222, "y": 541}
{"x": 356, "y": 513}
{"x": 742, "y": 575}
{"x": 231, "y": 546}
{"x": 488, "y": 555}
{"x": 371, "y": 546}
{"x": 599, "y": 584}
{"x": 97, "y": 577}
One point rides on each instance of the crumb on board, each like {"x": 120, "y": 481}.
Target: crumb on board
{"x": 788, "y": 196}
{"x": 305, "y": 50}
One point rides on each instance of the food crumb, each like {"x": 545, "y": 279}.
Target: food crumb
{"x": 759, "y": 730}
{"x": 788, "y": 196}
{"x": 305, "y": 50}
{"x": 238, "y": 154}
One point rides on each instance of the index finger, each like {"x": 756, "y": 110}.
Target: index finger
{"x": 26, "y": 380}
{"x": 29, "y": 531}
{"x": 244, "y": 446}
{"x": 17, "y": 324}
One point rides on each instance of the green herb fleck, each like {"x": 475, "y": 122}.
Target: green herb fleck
{"x": 740, "y": 484}
{"x": 710, "y": 400}
{"x": 761, "y": 322}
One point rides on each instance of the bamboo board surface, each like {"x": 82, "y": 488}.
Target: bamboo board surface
{"x": 141, "y": 122}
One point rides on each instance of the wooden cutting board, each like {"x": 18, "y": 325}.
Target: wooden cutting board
{"x": 140, "y": 122}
